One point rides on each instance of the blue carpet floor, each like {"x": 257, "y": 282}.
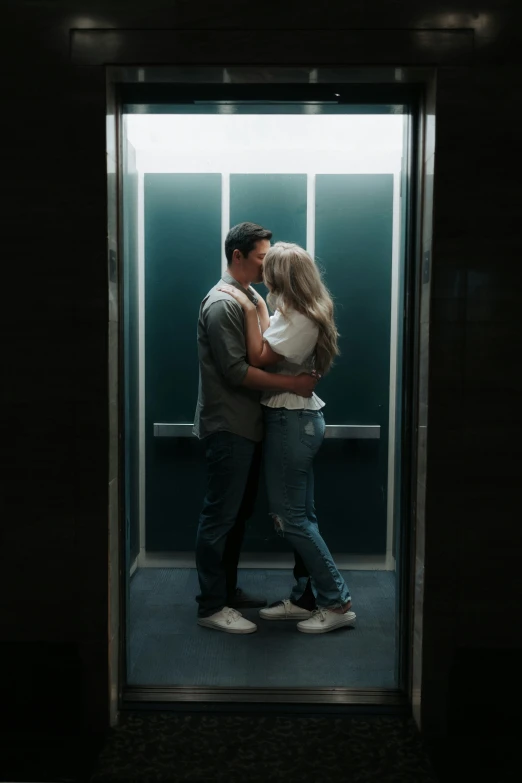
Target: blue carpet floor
{"x": 167, "y": 647}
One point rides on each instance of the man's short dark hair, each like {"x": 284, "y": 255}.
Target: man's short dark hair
{"x": 244, "y": 237}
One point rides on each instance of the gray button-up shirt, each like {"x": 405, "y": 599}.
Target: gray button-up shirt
{"x": 223, "y": 403}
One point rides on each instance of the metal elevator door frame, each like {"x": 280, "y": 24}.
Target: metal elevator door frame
{"x": 130, "y": 84}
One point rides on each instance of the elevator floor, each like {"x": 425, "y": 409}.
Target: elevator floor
{"x": 167, "y": 647}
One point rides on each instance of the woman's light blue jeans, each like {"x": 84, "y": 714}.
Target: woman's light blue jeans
{"x": 292, "y": 439}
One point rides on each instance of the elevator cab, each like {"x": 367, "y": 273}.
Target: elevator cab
{"x": 330, "y": 176}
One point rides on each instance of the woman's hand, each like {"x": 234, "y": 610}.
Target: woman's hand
{"x": 239, "y": 296}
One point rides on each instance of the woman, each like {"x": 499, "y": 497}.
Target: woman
{"x": 299, "y": 337}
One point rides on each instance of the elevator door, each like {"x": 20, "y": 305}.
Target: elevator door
{"x": 353, "y": 223}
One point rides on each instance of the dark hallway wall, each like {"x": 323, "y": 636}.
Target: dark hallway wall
{"x": 474, "y": 455}
{"x": 55, "y": 327}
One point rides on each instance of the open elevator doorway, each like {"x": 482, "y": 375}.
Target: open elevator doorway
{"x": 330, "y": 177}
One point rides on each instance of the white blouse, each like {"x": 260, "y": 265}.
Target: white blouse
{"x": 294, "y": 336}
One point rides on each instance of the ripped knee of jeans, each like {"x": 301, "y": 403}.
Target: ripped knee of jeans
{"x": 279, "y": 524}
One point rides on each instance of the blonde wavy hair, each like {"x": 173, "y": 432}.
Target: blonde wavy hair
{"x": 294, "y": 281}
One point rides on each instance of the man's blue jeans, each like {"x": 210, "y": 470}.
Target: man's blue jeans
{"x": 292, "y": 439}
{"x": 233, "y": 466}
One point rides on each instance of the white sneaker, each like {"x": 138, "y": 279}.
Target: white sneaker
{"x": 228, "y": 620}
{"x": 284, "y": 610}
{"x": 324, "y": 620}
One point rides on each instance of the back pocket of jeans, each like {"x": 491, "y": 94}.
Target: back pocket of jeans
{"x": 311, "y": 428}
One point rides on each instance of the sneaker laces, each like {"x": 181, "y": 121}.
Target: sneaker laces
{"x": 320, "y": 613}
{"x": 284, "y": 602}
{"x": 231, "y": 614}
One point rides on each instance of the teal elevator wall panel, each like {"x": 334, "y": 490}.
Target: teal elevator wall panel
{"x": 275, "y": 201}
{"x": 182, "y": 221}
{"x": 353, "y": 244}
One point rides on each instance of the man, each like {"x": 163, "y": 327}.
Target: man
{"x": 228, "y": 416}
